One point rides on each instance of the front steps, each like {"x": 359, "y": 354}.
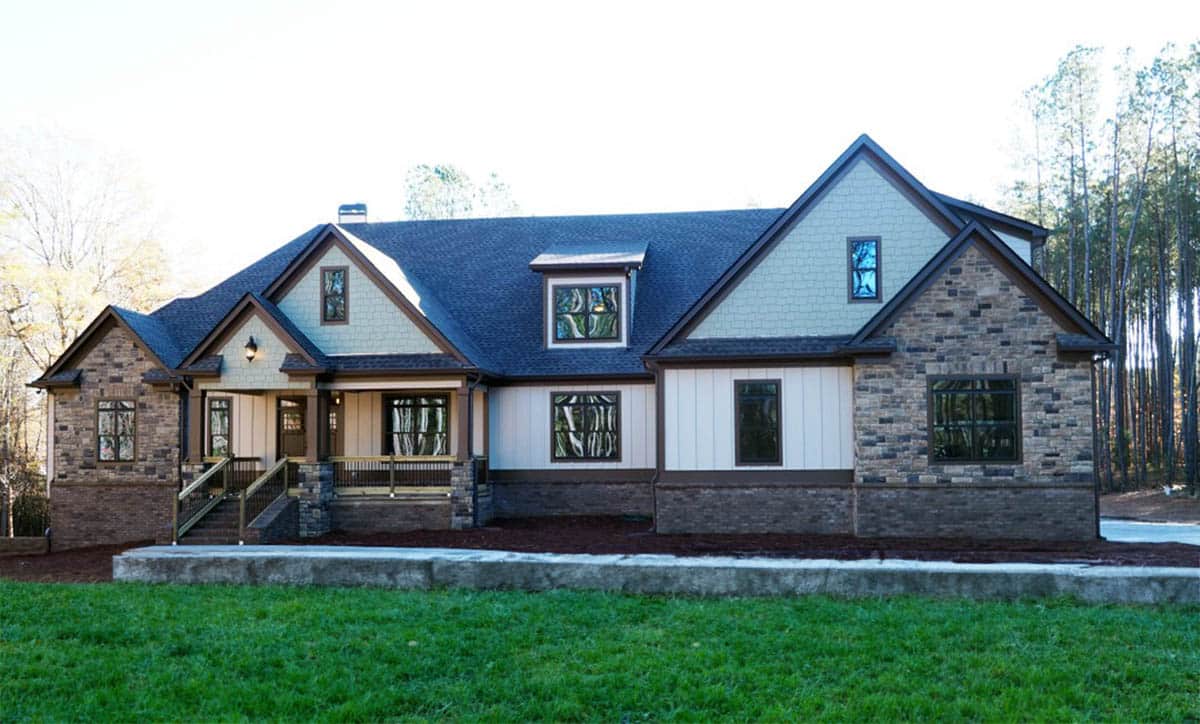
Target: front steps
{"x": 218, "y": 527}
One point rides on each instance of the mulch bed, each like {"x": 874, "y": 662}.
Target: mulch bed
{"x": 1152, "y": 505}
{"x": 624, "y": 536}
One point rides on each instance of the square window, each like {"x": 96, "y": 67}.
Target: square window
{"x": 974, "y": 420}
{"x": 583, "y": 313}
{"x": 586, "y": 426}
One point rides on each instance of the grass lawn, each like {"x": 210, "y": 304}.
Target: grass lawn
{"x": 135, "y": 652}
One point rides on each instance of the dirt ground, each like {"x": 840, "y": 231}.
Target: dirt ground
{"x": 1151, "y": 506}
{"x": 620, "y": 535}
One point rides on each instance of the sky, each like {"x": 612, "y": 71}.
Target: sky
{"x": 249, "y": 122}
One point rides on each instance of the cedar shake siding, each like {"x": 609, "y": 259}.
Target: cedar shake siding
{"x": 974, "y": 320}
{"x": 96, "y": 502}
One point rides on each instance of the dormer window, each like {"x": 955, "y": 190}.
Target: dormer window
{"x": 333, "y": 295}
{"x": 864, "y": 269}
{"x": 587, "y": 313}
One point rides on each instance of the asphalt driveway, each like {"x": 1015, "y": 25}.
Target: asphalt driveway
{"x": 1130, "y": 531}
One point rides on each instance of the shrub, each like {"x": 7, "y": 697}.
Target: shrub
{"x": 31, "y": 514}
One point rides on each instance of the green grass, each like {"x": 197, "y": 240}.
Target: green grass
{"x": 134, "y": 652}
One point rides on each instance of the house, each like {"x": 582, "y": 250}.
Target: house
{"x": 876, "y": 359}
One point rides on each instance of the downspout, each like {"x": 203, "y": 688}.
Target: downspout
{"x": 1095, "y": 447}
{"x": 183, "y": 389}
{"x": 470, "y": 443}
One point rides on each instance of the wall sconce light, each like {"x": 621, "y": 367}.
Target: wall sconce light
{"x": 251, "y": 349}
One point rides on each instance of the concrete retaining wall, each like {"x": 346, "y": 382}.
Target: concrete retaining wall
{"x": 426, "y": 568}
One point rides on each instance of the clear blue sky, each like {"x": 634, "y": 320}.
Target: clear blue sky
{"x": 251, "y": 121}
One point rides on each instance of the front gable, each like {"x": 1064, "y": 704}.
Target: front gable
{"x": 234, "y": 370}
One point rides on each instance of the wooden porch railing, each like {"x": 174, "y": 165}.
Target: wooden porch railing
{"x": 391, "y": 472}
{"x": 258, "y": 496}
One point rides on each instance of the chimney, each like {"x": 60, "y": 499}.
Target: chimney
{"x": 352, "y": 214}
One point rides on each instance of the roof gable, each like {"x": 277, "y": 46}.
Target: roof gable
{"x": 417, "y": 303}
{"x": 146, "y": 331}
{"x": 1071, "y": 319}
{"x": 863, "y": 148}
{"x": 252, "y": 305}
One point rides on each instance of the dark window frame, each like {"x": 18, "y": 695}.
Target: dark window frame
{"x": 850, "y": 242}
{"x": 386, "y": 404}
{"x": 620, "y": 313}
{"x": 739, "y": 460}
{"x": 208, "y": 436}
{"x": 116, "y": 438}
{"x": 345, "y": 270}
{"x": 555, "y": 458}
{"x": 1018, "y": 422}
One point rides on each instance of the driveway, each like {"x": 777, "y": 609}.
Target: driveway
{"x": 1130, "y": 531}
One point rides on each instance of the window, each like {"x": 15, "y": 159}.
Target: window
{"x": 333, "y": 294}
{"x": 864, "y": 270}
{"x": 586, "y": 426}
{"x": 115, "y": 430}
{"x": 416, "y": 425}
{"x": 757, "y": 422}
{"x": 974, "y": 420}
{"x": 218, "y": 427}
{"x": 587, "y": 313}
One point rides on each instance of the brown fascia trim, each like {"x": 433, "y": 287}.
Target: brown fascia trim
{"x": 632, "y": 378}
{"x": 85, "y": 338}
{"x": 789, "y": 360}
{"x": 840, "y": 478}
{"x": 41, "y": 384}
{"x": 388, "y": 374}
{"x": 572, "y": 476}
{"x": 225, "y": 328}
{"x": 870, "y": 151}
{"x": 310, "y": 255}
{"x": 582, "y": 269}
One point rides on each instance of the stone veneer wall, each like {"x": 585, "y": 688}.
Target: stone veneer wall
{"x": 974, "y": 320}
{"x": 92, "y": 502}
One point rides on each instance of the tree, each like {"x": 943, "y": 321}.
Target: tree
{"x": 444, "y": 191}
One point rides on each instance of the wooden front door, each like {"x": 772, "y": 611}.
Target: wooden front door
{"x": 291, "y": 417}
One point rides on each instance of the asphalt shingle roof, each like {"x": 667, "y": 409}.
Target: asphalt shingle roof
{"x": 476, "y": 272}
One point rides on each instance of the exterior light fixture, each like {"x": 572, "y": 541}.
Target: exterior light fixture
{"x": 251, "y": 349}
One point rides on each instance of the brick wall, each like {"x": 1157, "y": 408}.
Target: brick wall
{"x": 392, "y": 516}
{"x": 100, "y": 503}
{"x": 518, "y": 499}
{"x": 754, "y": 509}
{"x": 974, "y": 320}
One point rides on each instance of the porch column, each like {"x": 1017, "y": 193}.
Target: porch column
{"x": 196, "y": 426}
{"x": 324, "y": 444}
{"x": 312, "y": 424}
{"x": 462, "y": 412}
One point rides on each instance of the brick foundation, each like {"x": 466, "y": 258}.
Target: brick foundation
{"x": 975, "y": 511}
{"x": 88, "y": 515}
{"x": 809, "y": 509}
{"x": 518, "y": 499}
{"x": 389, "y": 515}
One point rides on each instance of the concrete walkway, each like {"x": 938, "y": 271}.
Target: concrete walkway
{"x": 426, "y": 568}
{"x": 1131, "y": 531}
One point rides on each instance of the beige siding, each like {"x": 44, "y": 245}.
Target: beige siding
{"x": 261, "y": 374}
{"x": 519, "y": 427}
{"x": 816, "y": 409}
{"x": 376, "y": 325}
{"x": 251, "y": 425}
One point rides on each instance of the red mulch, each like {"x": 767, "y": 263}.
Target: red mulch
{"x": 1152, "y": 505}
{"x": 81, "y": 565}
{"x": 618, "y": 535}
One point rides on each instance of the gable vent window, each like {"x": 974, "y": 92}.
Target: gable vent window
{"x": 587, "y": 313}
{"x": 864, "y": 269}
{"x": 333, "y": 295}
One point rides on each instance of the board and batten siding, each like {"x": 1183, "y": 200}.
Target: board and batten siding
{"x": 251, "y": 425}
{"x": 362, "y": 416}
{"x": 519, "y": 427}
{"x": 816, "y": 409}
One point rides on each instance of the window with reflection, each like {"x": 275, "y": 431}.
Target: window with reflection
{"x": 590, "y": 312}
{"x": 864, "y": 270}
{"x": 974, "y": 420}
{"x": 416, "y": 424}
{"x": 757, "y": 422}
{"x": 586, "y": 426}
{"x": 115, "y": 430}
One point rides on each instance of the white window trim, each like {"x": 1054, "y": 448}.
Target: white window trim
{"x": 562, "y": 281}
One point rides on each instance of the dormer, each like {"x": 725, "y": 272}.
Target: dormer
{"x": 588, "y": 292}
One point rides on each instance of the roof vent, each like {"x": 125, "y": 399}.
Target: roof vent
{"x": 352, "y": 214}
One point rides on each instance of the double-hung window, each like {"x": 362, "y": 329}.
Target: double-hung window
{"x": 333, "y": 295}
{"x": 974, "y": 420}
{"x": 416, "y": 424}
{"x": 591, "y": 312}
{"x": 218, "y": 427}
{"x": 586, "y": 426}
{"x": 864, "y": 269}
{"x": 757, "y": 422}
{"x": 115, "y": 429}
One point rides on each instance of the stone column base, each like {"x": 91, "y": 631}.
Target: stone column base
{"x": 315, "y": 481}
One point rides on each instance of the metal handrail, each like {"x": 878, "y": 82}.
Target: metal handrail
{"x": 204, "y": 477}
{"x": 178, "y": 530}
{"x": 253, "y": 488}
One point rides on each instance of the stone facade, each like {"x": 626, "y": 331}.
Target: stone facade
{"x": 315, "y": 481}
{"x": 817, "y": 510}
{"x": 95, "y": 502}
{"x": 974, "y": 320}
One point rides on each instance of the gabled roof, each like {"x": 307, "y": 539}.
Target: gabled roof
{"x": 995, "y": 219}
{"x": 416, "y": 300}
{"x": 199, "y": 360}
{"x": 148, "y": 332}
{"x": 580, "y": 255}
{"x": 862, "y": 148}
{"x": 974, "y": 232}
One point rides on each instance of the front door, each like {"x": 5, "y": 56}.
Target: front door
{"x": 291, "y": 416}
